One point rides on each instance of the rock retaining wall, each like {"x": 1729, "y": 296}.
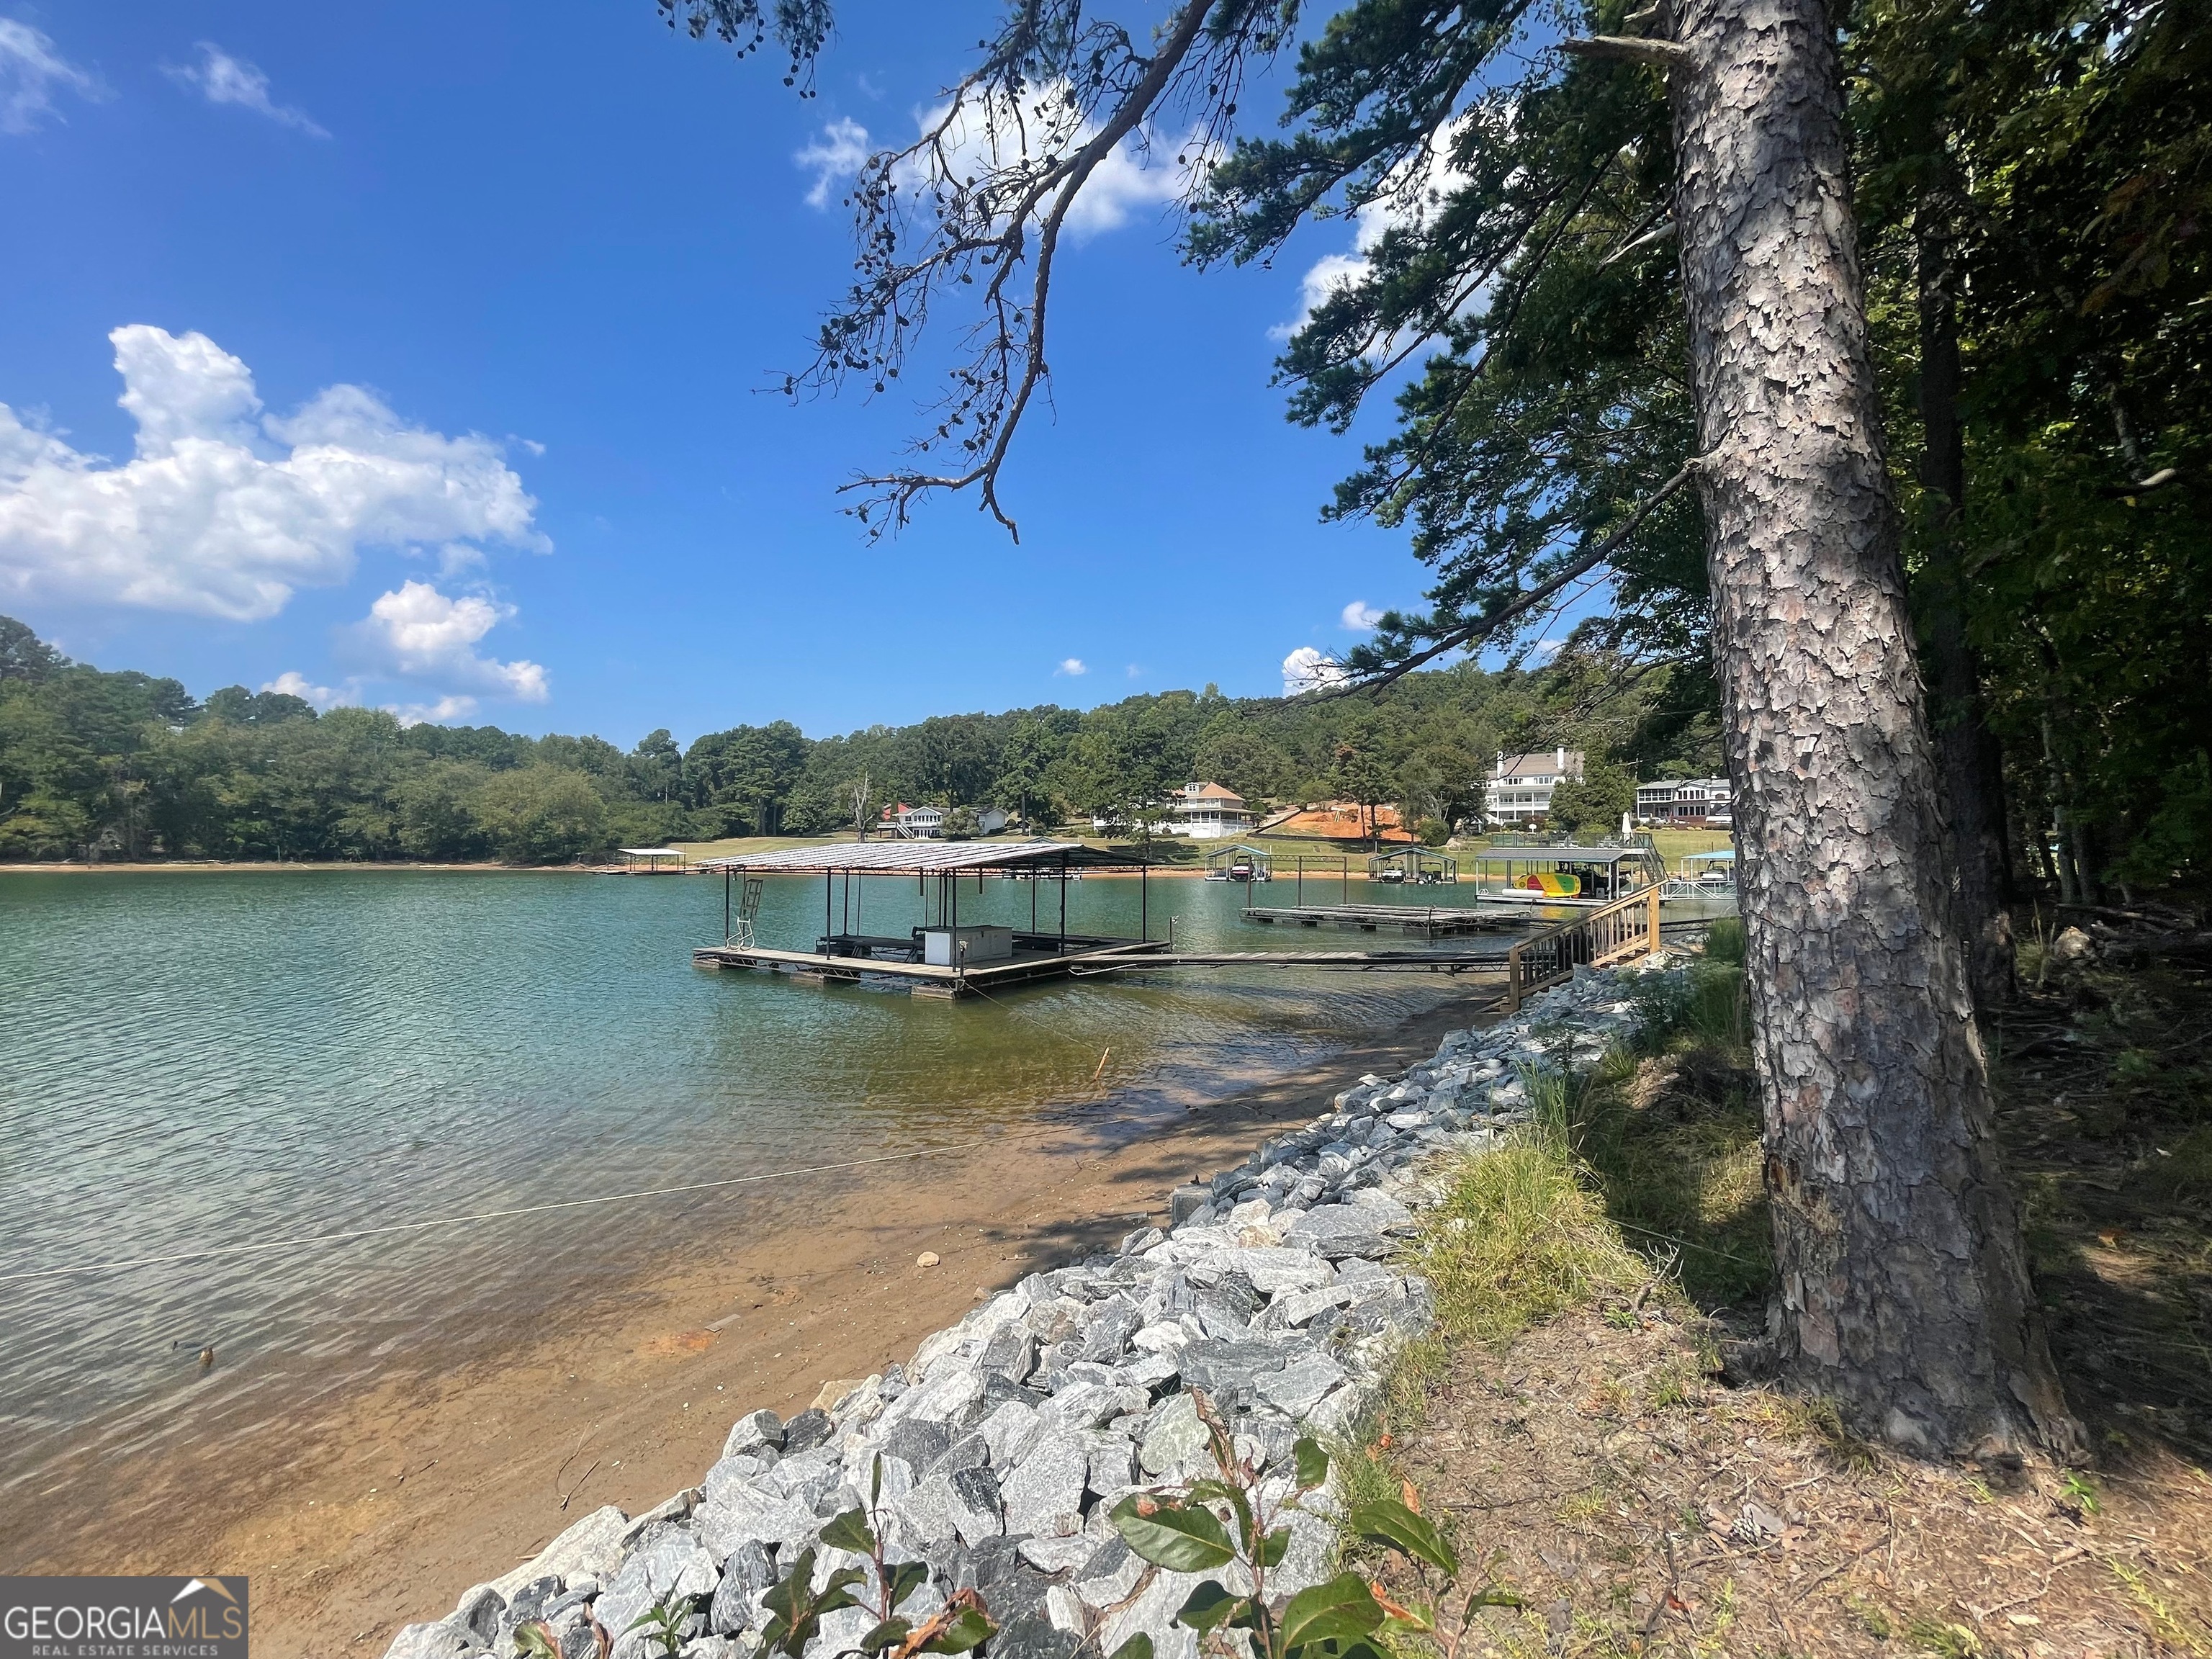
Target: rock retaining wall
{"x": 1008, "y": 1438}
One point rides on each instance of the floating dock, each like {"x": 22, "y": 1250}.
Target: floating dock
{"x": 1417, "y": 921}
{"x": 1036, "y": 956}
{"x": 940, "y": 959}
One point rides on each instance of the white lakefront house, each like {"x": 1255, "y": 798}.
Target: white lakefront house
{"x": 1519, "y": 790}
{"x": 1702, "y": 803}
{"x": 1199, "y": 811}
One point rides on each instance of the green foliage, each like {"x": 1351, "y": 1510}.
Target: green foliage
{"x": 122, "y": 765}
{"x": 1596, "y": 801}
{"x": 663, "y": 1623}
{"x": 1237, "y": 1518}
{"x": 797, "y": 1605}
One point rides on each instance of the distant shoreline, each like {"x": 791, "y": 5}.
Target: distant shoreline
{"x": 219, "y": 867}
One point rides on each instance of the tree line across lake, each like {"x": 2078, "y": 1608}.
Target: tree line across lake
{"x": 126, "y": 765}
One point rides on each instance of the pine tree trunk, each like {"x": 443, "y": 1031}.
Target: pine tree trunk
{"x": 1903, "y": 1289}
{"x": 1967, "y": 756}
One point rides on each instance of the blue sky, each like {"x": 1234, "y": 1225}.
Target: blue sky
{"x": 505, "y": 278}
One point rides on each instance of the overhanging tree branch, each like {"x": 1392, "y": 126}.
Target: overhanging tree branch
{"x": 1490, "y": 622}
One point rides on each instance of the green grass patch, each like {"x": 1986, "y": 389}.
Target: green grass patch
{"x": 1521, "y": 1236}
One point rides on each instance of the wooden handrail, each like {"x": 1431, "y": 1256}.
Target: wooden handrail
{"x": 1605, "y": 935}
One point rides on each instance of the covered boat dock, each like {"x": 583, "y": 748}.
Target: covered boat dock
{"x": 1528, "y": 871}
{"x": 942, "y": 956}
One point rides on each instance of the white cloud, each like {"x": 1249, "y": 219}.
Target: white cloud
{"x": 225, "y": 511}
{"x": 432, "y": 714}
{"x": 1071, "y": 666}
{"x": 30, "y": 69}
{"x": 1306, "y": 670}
{"x": 1135, "y": 671}
{"x": 221, "y": 79}
{"x": 1361, "y": 617}
{"x": 1413, "y": 196}
{"x": 417, "y": 633}
{"x": 293, "y": 683}
{"x": 988, "y": 133}
{"x": 835, "y": 156}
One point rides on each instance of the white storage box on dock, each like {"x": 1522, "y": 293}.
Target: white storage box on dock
{"x": 950, "y": 947}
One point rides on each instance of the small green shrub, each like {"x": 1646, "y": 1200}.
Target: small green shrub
{"x": 1725, "y": 940}
{"x": 1229, "y": 1521}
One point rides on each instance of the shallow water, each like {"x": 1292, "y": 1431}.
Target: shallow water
{"x": 196, "y": 1061}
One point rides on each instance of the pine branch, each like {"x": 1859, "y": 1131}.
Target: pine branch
{"x": 1487, "y": 624}
{"x": 1625, "y": 49}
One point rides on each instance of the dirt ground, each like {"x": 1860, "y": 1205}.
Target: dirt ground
{"x": 385, "y": 1512}
{"x": 1638, "y": 1507}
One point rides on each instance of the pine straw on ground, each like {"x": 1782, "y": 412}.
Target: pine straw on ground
{"x": 1637, "y": 1506}
{"x": 1571, "y": 1427}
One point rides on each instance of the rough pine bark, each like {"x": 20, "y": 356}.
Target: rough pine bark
{"x": 1903, "y": 1289}
{"x": 1967, "y": 756}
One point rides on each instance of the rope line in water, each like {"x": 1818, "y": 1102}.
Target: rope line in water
{"x": 124, "y": 1264}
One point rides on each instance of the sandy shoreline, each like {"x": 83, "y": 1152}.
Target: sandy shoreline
{"x": 400, "y": 1499}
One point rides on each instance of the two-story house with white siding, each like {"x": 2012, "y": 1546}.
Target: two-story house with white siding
{"x": 1519, "y": 789}
{"x": 1697, "y": 803}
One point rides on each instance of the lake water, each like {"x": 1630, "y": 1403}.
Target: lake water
{"x": 196, "y": 1060}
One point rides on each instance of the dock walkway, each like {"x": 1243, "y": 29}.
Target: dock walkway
{"x": 1036, "y": 956}
{"x": 1421, "y": 921}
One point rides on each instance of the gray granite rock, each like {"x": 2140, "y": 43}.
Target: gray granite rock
{"x": 1297, "y": 1388}
{"x": 1113, "y": 1322}
{"x": 667, "y": 1564}
{"x": 436, "y": 1641}
{"x": 1011, "y": 1353}
{"x": 733, "y": 1512}
{"x": 1033, "y": 1636}
{"x": 746, "y": 1572}
{"x": 1175, "y": 1443}
{"x": 753, "y": 1431}
{"x": 1044, "y": 1495}
{"x": 1224, "y": 1368}
{"x": 917, "y": 1443}
{"x": 810, "y": 1429}
{"x": 1153, "y": 1611}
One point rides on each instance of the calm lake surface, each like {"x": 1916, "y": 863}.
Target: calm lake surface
{"x": 197, "y": 1060}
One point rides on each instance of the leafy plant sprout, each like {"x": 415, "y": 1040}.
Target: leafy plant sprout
{"x": 796, "y": 1608}
{"x": 1230, "y": 1521}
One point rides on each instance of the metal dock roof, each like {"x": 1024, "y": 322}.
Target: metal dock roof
{"x": 925, "y": 857}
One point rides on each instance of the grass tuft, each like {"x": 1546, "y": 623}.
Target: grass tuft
{"x": 1519, "y": 1239}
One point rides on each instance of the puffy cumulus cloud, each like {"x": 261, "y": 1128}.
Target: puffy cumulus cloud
{"x": 1361, "y": 617}
{"x": 834, "y": 157}
{"x": 225, "y": 511}
{"x": 293, "y": 683}
{"x": 223, "y": 79}
{"x": 1413, "y": 198}
{"x": 1072, "y": 666}
{"x": 417, "y": 633}
{"x": 1306, "y": 670}
{"x": 31, "y": 71}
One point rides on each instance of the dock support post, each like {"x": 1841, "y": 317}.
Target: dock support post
{"x": 1513, "y": 981}
{"x": 1653, "y": 916}
{"x": 725, "y": 905}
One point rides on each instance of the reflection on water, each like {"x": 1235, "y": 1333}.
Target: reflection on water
{"x": 198, "y": 1060}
